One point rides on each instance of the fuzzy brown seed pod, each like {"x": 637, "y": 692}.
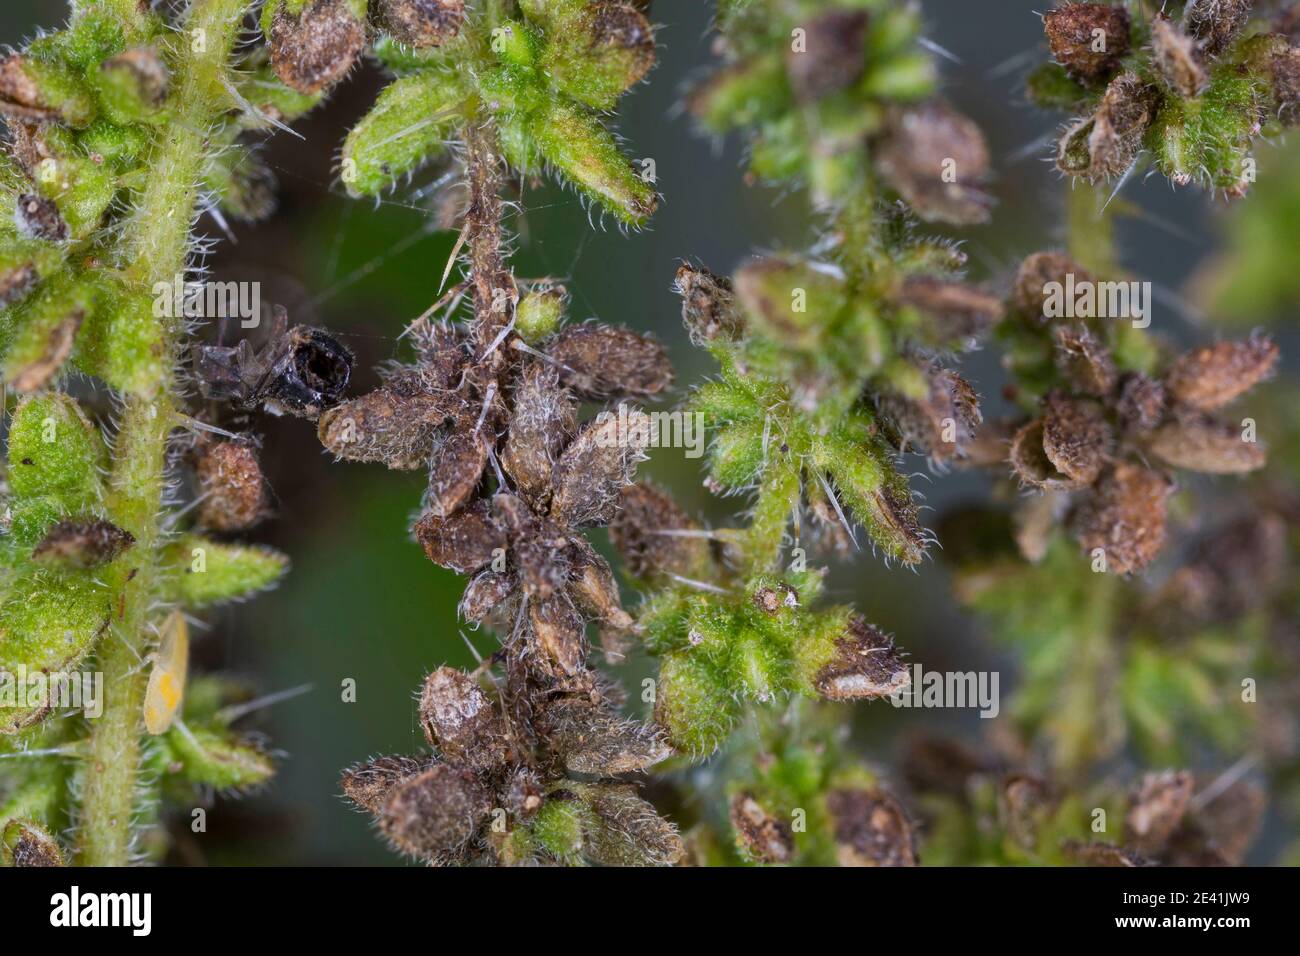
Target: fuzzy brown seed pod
{"x": 19, "y": 95}
{"x": 596, "y": 466}
{"x": 235, "y": 492}
{"x": 82, "y": 544}
{"x": 316, "y": 48}
{"x": 1076, "y": 438}
{"x": 1205, "y": 445}
{"x": 368, "y": 784}
{"x": 621, "y": 829}
{"x": 543, "y": 420}
{"x": 595, "y": 590}
{"x": 460, "y": 720}
{"x": 396, "y": 424}
{"x": 1125, "y": 517}
{"x": 1105, "y": 144}
{"x": 833, "y": 58}
{"x": 1141, "y": 401}
{"x": 39, "y": 218}
{"x": 1029, "y": 289}
{"x": 620, "y": 34}
{"x": 524, "y": 794}
{"x": 147, "y": 70}
{"x": 420, "y": 23}
{"x": 434, "y": 814}
{"x": 638, "y": 529}
{"x": 1156, "y": 809}
{"x": 458, "y": 465}
{"x": 708, "y": 305}
{"x": 760, "y": 835}
{"x": 1178, "y": 58}
{"x": 871, "y": 829}
{"x": 1085, "y": 361}
{"x": 16, "y": 282}
{"x": 1075, "y": 43}
{"x": 951, "y": 312}
{"x": 1094, "y": 853}
{"x": 941, "y": 424}
{"x": 1284, "y": 68}
{"x": 937, "y": 160}
{"x": 485, "y": 596}
{"x": 24, "y": 843}
{"x": 590, "y": 737}
{"x": 1212, "y": 377}
{"x": 866, "y": 665}
{"x": 559, "y": 633}
{"x": 462, "y": 542}
{"x": 600, "y": 362}
{"x": 1216, "y": 23}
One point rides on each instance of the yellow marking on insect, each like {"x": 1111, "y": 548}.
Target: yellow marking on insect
{"x": 171, "y": 664}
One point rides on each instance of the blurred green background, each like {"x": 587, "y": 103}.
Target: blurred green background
{"x": 363, "y": 603}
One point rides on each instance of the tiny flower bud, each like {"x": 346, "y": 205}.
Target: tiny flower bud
{"x": 1071, "y": 34}
{"x": 368, "y": 784}
{"x": 600, "y": 51}
{"x": 540, "y": 313}
{"x": 434, "y": 814}
{"x": 135, "y": 83}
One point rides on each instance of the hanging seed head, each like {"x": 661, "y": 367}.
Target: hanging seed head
{"x": 600, "y": 362}
{"x": 1072, "y": 34}
{"x": 1202, "y": 444}
{"x": 434, "y": 814}
{"x": 315, "y": 47}
{"x": 1212, "y": 377}
{"x": 636, "y": 531}
{"x": 871, "y": 829}
{"x": 1216, "y": 23}
{"x": 1156, "y": 809}
{"x": 1125, "y": 517}
{"x": 760, "y": 835}
{"x": 420, "y": 23}
{"x": 1178, "y": 58}
{"x": 1105, "y": 144}
{"x": 39, "y": 218}
{"x": 368, "y": 784}
{"x": 460, "y": 721}
{"x": 27, "y": 843}
{"x": 937, "y": 160}
{"x": 834, "y": 58}
{"x": 82, "y": 544}
{"x": 708, "y": 305}
{"x": 234, "y": 490}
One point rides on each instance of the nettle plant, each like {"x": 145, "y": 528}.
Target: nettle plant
{"x": 836, "y": 362}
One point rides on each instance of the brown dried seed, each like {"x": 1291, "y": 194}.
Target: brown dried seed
{"x": 524, "y": 794}
{"x": 317, "y": 47}
{"x": 1076, "y": 437}
{"x": 624, "y": 830}
{"x": 622, "y": 29}
{"x": 592, "y": 738}
{"x": 1206, "y": 445}
{"x": 952, "y": 312}
{"x": 708, "y": 305}
{"x": 1156, "y": 809}
{"x": 871, "y": 829}
{"x": 24, "y": 843}
{"x": 58, "y": 346}
{"x": 866, "y": 665}
{"x": 543, "y": 420}
{"x": 420, "y": 23}
{"x": 1211, "y": 377}
{"x": 1216, "y": 23}
{"x": 594, "y": 589}
{"x": 368, "y": 784}
{"x": 1284, "y": 69}
{"x": 596, "y": 466}
{"x": 39, "y": 218}
{"x": 922, "y": 147}
{"x": 761, "y": 835}
{"x": 1104, "y": 145}
{"x": 636, "y": 531}
{"x": 1141, "y": 402}
{"x": 460, "y": 721}
{"x": 1028, "y": 291}
{"x": 600, "y": 362}
{"x": 1089, "y": 853}
{"x": 434, "y": 814}
{"x": 1074, "y": 43}
{"x": 559, "y": 634}
{"x": 941, "y": 424}
{"x": 1029, "y": 461}
{"x": 1085, "y": 360}
{"x": 397, "y": 424}
{"x": 1178, "y": 58}
{"x": 833, "y": 56}
{"x": 82, "y": 544}
{"x": 1125, "y": 517}
{"x": 235, "y": 492}
{"x": 463, "y": 542}
{"x": 458, "y": 465}
{"x": 486, "y": 595}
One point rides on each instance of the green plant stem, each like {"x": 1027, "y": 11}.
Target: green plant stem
{"x": 157, "y": 244}
{"x": 1090, "y": 225}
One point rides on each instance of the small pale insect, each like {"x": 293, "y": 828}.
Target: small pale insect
{"x": 171, "y": 663}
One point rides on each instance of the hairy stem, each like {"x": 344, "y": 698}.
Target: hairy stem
{"x": 157, "y": 244}
{"x": 483, "y": 228}
{"x": 1090, "y": 226}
